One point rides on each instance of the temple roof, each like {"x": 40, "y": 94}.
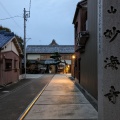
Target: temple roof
{"x": 53, "y": 43}
{"x": 51, "y": 48}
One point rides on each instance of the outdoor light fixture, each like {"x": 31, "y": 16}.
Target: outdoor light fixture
{"x": 73, "y": 56}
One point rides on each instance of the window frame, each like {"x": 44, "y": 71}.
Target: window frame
{"x": 8, "y": 64}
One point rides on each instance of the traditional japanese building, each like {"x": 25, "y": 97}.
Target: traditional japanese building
{"x": 10, "y": 58}
{"x": 42, "y": 53}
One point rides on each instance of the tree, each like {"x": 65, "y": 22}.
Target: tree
{"x": 19, "y": 39}
{"x": 4, "y": 28}
{"x": 56, "y": 56}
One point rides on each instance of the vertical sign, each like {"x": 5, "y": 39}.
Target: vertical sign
{"x": 108, "y": 60}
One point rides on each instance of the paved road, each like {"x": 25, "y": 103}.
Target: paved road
{"x": 16, "y": 98}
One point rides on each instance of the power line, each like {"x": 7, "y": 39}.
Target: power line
{"x": 9, "y": 15}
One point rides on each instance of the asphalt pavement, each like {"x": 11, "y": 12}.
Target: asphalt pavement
{"x": 16, "y": 97}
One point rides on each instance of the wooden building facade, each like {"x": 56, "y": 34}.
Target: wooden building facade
{"x": 85, "y": 27}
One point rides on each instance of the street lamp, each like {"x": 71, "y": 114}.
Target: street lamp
{"x": 73, "y": 56}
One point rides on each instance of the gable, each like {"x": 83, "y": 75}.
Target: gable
{"x": 8, "y": 42}
{"x": 10, "y": 46}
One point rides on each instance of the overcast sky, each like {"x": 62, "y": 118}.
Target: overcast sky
{"x": 49, "y": 19}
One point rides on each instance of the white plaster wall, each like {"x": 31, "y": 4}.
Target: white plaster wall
{"x": 67, "y": 61}
{"x": 10, "y": 47}
{"x": 32, "y": 57}
{"x": 14, "y": 48}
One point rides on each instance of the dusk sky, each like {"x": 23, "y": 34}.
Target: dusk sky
{"x": 49, "y": 19}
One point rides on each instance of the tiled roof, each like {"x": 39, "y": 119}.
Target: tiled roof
{"x": 53, "y": 43}
{"x": 50, "y": 48}
{"x": 5, "y": 37}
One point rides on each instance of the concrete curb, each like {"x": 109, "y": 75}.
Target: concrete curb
{"x": 22, "y": 116}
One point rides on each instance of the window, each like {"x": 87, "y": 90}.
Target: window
{"x": 66, "y": 57}
{"x": 8, "y": 64}
{"x": 15, "y": 63}
{"x": 44, "y": 57}
{"x": 41, "y": 57}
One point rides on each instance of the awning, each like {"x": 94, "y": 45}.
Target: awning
{"x": 49, "y": 61}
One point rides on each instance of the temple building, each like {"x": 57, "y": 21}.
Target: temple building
{"x": 41, "y": 54}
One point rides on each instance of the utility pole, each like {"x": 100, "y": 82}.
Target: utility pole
{"x": 26, "y": 15}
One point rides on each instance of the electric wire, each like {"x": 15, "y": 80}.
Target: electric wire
{"x": 10, "y": 15}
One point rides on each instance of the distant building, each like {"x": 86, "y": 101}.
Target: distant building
{"x": 43, "y": 52}
{"x": 10, "y": 58}
{"x": 85, "y": 27}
